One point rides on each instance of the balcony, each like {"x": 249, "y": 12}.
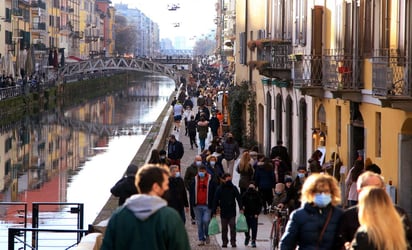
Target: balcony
{"x": 391, "y": 76}
{"x": 341, "y": 73}
{"x": 38, "y": 4}
{"x": 275, "y": 52}
{"x": 38, "y": 27}
{"x": 307, "y": 73}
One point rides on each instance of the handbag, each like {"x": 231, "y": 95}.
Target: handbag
{"x": 241, "y": 224}
{"x": 324, "y": 227}
{"x": 213, "y": 227}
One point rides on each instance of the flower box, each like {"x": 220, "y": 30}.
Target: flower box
{"x": 265, "y": 81}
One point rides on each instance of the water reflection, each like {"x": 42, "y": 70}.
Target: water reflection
{"x": 78, "y": 154}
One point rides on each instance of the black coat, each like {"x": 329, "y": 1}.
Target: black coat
{"x": 176, "y": 196}
{"x": 175, "y": 150}
{"x": 124, "y": 188}
{"x": 252, "y": 202}
{"x": 350, "y": 224}
{"x": 226, "y": 196}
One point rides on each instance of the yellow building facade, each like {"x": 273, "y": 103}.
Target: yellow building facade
{"x": 337, "y": 78}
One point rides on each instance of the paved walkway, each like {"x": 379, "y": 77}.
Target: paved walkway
{"x": 265, "y": 221}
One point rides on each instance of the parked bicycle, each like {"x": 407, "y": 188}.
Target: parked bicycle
{"x": 281, "y": 216}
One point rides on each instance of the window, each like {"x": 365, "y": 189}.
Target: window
{"x": 8, "y": 37}
{"x": 381, "y": 23}
{"x": 338, "y": 125}
{"x": 289, "y": 125}
{"x": 300, "y": 21}
{"x": 242, "y": 48}
{"x": 378, "y": 136}
{"x": 279, "y": 117}
{"x": 281, "y": 19}
{"x": 404, "y": 27}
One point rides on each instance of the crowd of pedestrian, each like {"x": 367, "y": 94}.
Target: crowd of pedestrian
{"x": 322, "y": 215}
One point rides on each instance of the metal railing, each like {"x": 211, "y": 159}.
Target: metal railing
{"x": 391, "y": 73}
{"x": 341, "y": 70}
{"x": 41, "y": 213}
{"x": 306, "y": 70}
{"x": 13, "y": 214}
{"x": 14, "y": 235}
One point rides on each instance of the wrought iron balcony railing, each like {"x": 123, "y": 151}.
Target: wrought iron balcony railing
{"x": 276, "y": 54}
{"x": 307, "y": 70}
{"x": 391, "y": 74}
{"x": 38, "y": 27}
{"x": 341, "y": 70}
{"x": 38, "y": 4}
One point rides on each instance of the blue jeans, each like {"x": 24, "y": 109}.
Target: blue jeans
{"x": 202, "y": 214}
{"x": 202, "y": 143}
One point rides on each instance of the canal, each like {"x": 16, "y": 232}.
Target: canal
{"x": 75, "y": 156}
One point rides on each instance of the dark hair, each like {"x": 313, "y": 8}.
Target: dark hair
{"x": 373, "y": 168}
{"x": 155, "y": 157}
{"x": 149, "y": 175}
{"x": 162, "y": 152}
{"x": 357, "y": 170}
{"x": 131, "y": 170}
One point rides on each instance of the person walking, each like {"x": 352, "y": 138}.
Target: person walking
{"x": 190, "y": 175}
{"x": 265, "y": 181}
{"x": 191, "y": 130}
{"x": 282, "y": 152}
{"x": 175, "y": 151}
{"x": 246, "y": 172}
{"x": 201, "y": 193}
{"x": 230, "y": 152}
{"x": 225, "y": 198}
{"x": 202, "y": 129}
{"x": 145, "y": 221}
{"x": 381, "y": 225}
{"x": 252, "y": 206}
{"x": 176, "y": 196}
{"x": 214, "y": 124}
{"x": 177, "y": 115}
{"x": 350, "y": 220}
{"x": 315, "y": 165}
{"x": 125, "y": 187}
{"x": 314, "y": 224}
{"x": 350, "y": 182}
{"x": 186, "y": 117}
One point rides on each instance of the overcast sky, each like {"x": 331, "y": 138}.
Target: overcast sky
{"x": 196, "y": 17}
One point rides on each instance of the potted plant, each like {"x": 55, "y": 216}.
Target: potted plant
{"x": 261, "y": 65}
{"x": 251, "y": 44}
{"x": 265, "y": 80}
{"x": 295, "y": 57}
{"x": 252, "y": 64}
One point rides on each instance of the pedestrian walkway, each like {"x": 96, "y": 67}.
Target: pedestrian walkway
{"x": 265, "y": 221}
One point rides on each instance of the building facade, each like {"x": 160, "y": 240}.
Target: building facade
{"x": 332, "y": 75}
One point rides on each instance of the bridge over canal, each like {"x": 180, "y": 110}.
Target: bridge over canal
{"x": 93, "y": 68}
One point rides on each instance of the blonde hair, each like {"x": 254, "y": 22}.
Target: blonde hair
{"x": 309, "y": 188}
{"x": 244, "y": 163}
{"x": 380, "y": 220}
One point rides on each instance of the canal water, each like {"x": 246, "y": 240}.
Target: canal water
{"x": 74, "y": 156}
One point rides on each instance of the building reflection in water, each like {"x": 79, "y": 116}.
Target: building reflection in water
{"x": 39, "y": 156}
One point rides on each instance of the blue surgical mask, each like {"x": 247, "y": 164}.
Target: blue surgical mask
{"x": 212, "y": 163}
{"x": 301, "y": 175}
{"x": 198, "y": 163}
{"x": 177, "y": 174}
{"x": 322, "y": 199}
{"x": 201, "y": 174}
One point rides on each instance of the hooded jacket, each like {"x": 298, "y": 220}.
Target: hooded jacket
{"x": 145, "y": 222}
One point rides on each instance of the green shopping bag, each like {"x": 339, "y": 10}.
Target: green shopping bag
{"x": 241, "y": 224}
{"x": 213, "y": 226}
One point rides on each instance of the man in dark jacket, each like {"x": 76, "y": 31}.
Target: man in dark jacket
{"x": 350, "y": 222}
{"x": 214, "y": 124}
{"x": 190, "y": 175}
{"x": 281, "y": 151}
{"x": 252, "y": 205}
{"x": 226, "y": 196}
{"x": 176, "y": 196}
{"x": 145, "y": 221}
{"x": 230, "y": 152}
{"x": 125, "y": 187}
{"x": 202, "y": 192}
{"x": 192, "y": 130}
{"x": 175, "y": 150}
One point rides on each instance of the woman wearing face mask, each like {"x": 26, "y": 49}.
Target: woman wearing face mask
{"x": 314, "y": 224}
{"x": 176, "y": 196}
